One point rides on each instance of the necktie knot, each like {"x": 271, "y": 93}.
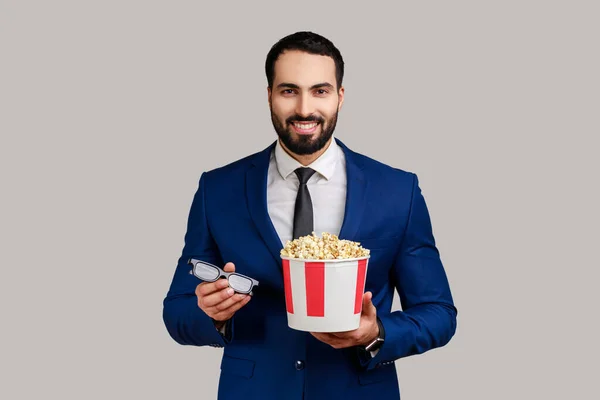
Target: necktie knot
{"x": 304, "y": 174}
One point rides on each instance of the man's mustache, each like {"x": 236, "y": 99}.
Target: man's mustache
{"x": 297, "y": 118}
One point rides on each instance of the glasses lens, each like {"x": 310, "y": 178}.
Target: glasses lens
{"x": 239, "y": 283}
{"x": 206, "y": 272}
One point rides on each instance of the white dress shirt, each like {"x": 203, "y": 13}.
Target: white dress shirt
{"x": 327, "y": 189}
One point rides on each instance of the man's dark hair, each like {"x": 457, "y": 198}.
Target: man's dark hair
{"x": 308, "y": 42}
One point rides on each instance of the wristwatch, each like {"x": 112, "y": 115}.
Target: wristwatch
{"x": 378, "y": 342}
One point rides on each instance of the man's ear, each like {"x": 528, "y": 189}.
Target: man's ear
{"x": 341, "y": 97}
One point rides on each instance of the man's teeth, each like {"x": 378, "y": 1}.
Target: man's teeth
{"x": 305, "y": 126}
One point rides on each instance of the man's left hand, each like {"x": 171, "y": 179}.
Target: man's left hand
{"x": 367, "y": 331}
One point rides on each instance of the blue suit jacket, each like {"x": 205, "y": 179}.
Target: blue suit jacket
{"x": 385, "y": 211}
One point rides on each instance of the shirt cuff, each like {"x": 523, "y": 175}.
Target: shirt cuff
{"x": 225, "y": 330}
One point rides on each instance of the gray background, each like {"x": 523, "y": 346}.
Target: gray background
{"x": 110, "y": 111}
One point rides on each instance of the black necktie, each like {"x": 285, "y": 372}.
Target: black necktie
{"x": 303, "y": 213}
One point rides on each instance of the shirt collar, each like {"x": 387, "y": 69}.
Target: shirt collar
{"x": 324, "y": 165}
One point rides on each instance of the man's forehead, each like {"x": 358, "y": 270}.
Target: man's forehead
{"x": 304, "y": 69}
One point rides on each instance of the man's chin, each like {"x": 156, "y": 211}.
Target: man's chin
{"x": 304, "y": 147}
{"x": 301, "y": 138}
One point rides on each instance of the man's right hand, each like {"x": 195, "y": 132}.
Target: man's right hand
{"x": 218, "y": 300}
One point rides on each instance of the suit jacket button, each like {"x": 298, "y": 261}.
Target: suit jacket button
{"x": 299, "y": 365}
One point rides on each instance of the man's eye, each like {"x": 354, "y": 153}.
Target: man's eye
{"x": 288, "y": 91}
{"x": 322, "y": 91}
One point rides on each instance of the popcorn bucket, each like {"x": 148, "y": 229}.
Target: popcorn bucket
{"x": 324, "y": 295}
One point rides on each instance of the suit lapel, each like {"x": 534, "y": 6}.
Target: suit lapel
{"x": 256, "y": 193}
{"x": 356, "y": 192}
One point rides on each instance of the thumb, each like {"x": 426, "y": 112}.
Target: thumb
{"x": 367, "y": 307}
{"x": 229, "y": 267}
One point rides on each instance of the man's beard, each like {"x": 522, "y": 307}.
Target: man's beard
{"x": 304, "y": 144}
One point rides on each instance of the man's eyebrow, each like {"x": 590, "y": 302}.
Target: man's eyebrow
{"x": 315, "y": 86}
{"x": 320, "y": 85}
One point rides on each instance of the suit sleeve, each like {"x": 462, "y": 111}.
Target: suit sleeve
{"x": 428, "y": 319}
{"x": 185, "y": 321}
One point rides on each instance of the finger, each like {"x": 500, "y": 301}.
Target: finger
{"x": 349, "y": 336}
{"x": 367, "y": 307}
{"x": 225, "y": 304}
{"x": 329, "y": 339}
{"x": 228, "y": 313}
{"x": 344, "y": 335}
{"x": 206, "y": 288}
{"x": 215, "y": 298}
{"x": 321, "y": 336}
{"x": 229, "y": 267}
{"x": 325, "y": 337}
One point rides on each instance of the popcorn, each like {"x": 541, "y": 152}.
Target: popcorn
{"x": 327, "y": 247}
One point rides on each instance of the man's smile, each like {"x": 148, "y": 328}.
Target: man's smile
{"x": 305, "y": 128}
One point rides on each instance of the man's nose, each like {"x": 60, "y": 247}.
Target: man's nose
{"x": 304, "y": 107}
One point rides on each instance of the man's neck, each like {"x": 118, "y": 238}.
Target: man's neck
{"x": 306, "y": 159}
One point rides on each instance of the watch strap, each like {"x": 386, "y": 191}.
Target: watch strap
{"x": 375, "y": 344}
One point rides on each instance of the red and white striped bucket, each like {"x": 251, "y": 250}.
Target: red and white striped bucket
{"x": 324, "y": 295}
